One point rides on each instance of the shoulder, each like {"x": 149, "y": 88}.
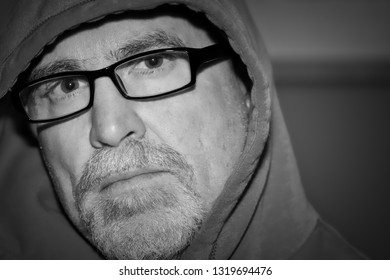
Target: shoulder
{"x": 325, "y": 243}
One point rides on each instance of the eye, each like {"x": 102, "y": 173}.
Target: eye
{"x": 69, "y": 85}
{"x": 154, "y": 62}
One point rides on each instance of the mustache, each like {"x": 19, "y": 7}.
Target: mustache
{"x": 131, "y": 155}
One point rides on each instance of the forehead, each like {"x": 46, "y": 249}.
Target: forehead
{"x": 96, "y": 42}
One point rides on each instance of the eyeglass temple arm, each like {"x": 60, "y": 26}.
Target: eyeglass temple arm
{"x": 212, "y": 52}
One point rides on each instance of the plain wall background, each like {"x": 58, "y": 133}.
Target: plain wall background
{"x": 331, "y": 60}
{"x": 332, "y": 69}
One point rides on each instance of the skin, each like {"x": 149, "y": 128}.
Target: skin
{"x": 206, "y": 125}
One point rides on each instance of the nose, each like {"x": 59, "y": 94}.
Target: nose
{"x": 113, "y": 117}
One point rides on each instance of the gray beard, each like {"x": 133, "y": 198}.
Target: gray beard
{"x": 154, "y": 222}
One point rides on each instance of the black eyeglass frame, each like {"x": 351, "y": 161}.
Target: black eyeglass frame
{"x": 197, "y": 57}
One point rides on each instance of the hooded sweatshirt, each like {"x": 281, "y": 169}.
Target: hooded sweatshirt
{"x": 262, "y": 212}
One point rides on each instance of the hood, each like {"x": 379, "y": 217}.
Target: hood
{"x": 262, "y": 212}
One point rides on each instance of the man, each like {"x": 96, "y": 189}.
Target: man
{"x": 161, "y": 134}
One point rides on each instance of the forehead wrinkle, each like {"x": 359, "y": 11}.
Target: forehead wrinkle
{"x": 149, "y": 41}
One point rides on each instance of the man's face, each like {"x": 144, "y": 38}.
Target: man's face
{"x": 138, "y": 178}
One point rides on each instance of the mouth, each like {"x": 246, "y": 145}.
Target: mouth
{"x": 119, "y": 183}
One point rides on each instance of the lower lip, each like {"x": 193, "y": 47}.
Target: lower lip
{"x": 124, "y": 186}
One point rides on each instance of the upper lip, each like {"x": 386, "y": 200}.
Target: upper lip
{"x": 126, "y": 176}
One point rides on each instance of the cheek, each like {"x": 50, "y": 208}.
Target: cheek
{"x": 65, "y": 149}
{"x": 222, "y": 114}
{"x": 205, "y": 127}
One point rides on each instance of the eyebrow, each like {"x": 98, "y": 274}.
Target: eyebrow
{"x": 156, "y": 39}
{"x": 149, "y": 41}
{"x": 57, "y": 66}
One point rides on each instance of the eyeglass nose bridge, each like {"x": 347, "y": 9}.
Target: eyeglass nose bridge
{"x": 109, "y": 72}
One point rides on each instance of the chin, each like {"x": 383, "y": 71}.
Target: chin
{"x": 146, "y": 223}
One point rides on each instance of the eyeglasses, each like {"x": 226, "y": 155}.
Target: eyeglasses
{"x": 144, "y": 76}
